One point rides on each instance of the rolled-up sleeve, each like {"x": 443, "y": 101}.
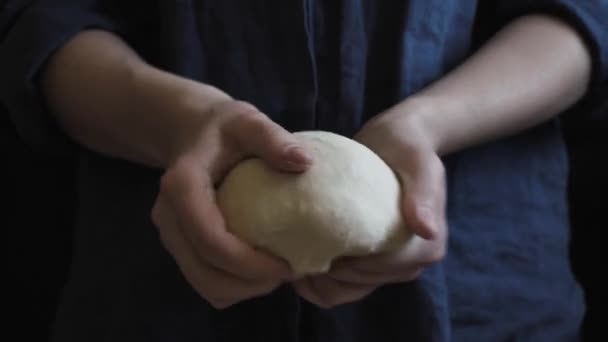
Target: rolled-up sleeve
{"x": 30, "y": 32}
{"x": 588, "y": 17}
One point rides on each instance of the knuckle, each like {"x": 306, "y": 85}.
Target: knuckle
{"x": 242, "y": 108}
{"x": 242, "y": 113}
{"x": 231, "y": 257}
{"x": 221, "y": 108}
{"x": 269, "y": 288}
{"x": 214, "y": 296}
{"x": 413, "y": 275}
{"x": 332, "y": 302}
{"x": 220, "y": 298}
{"x": 169, "y": 180}
{"x": 255, "y": 124}
{"x": 341, "y": 299}
{"x": 178, "y": 178}
{"x": 219, "y": 303}
{"x": 155, "y": 215}
{"x": 438, "y": 255}
{"x": 325, "y": 305}
{"x": 245, "y": 123}
{"x": 322, "y": 303}
{"x": 165, "y": 241}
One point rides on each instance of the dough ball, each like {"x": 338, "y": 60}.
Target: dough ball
{"x": 346, "y": 204}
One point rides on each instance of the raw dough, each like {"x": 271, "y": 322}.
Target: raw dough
{"x": 346, "y": 204}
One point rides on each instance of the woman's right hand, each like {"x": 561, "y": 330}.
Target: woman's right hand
{"x": 131, "y": 110}
{"x": 219, "y": 266}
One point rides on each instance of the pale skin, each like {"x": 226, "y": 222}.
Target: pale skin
{"x": 531, "y": 71}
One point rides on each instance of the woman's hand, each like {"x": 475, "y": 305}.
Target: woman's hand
{"x": 511, "y": 84}
{"x": 131, "y": 110}
{"x": 223, "y": 269}
{"x": 402, "y": 143}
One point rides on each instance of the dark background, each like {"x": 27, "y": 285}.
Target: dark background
{"x": 586, "y": 130}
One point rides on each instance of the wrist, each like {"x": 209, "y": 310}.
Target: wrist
{"x": 415, "y": 119}
{"x": 437, "y": 122}
{"x": 180, "y": 108}
{"x": 158, "y": 92}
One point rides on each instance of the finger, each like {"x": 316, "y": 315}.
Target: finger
{"x": 334, "y": 292}
{"x": 424, "y": 195}
{"x": 191, "y": 196}
{"x": 374, "y": 278}
{"x": 219, "y": 288}
{"x": 326, "y": 292}
{"x": 415, "y": 254}
{"x": 260, "y": 136}
{"x": 305, "y": 290}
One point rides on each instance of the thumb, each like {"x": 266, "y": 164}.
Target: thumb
{"x": 261, "y": 137}
{"x": 424, "y": 195}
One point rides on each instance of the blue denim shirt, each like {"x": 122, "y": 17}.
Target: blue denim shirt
{"x": 328, "y": 65}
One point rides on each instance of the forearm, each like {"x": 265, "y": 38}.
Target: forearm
{"x": 109, "y": 100}
{"x": 532, "y": 70}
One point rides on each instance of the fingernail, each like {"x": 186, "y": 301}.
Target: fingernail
{"x": 298, "y": 156}
{"x": 427, "y": 218}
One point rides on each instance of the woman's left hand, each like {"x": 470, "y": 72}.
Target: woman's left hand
{"x": 403, "y": 145}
